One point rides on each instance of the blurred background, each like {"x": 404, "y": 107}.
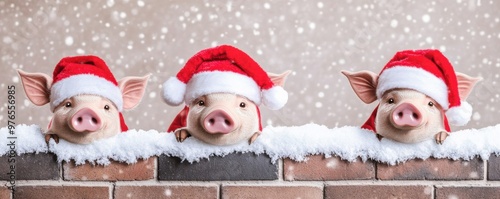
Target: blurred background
{"x": 315, "y": 39}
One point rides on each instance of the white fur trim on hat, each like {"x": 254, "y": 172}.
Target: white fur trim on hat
{"x": 85, "y": 84}
{"x": 173, "y": 91}
{"x": 222, "y": 82}
{"x": 460, "y": 115}
{"x": 275, "y": 97}
{"x": 413, "y": 78}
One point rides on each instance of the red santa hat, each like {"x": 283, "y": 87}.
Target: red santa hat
{"x": 223, "y": 69}
{"x": 85, "y": 75}
{"x": 429, "y": 72}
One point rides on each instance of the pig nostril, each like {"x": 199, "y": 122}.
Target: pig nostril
{"x": 211, "y": 121}
{"x": 400, "y": 114}
{"x": 94, "y": 120}
{"x": 415, "y": 116}
{"x": 227, "y": 122}
{"x": 79, "y": 119}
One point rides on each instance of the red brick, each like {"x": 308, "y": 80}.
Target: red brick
{"x": 432, "y": 169}
{"x": 43, "y": 192}
{"x": 494, "y": 168}
{"x": 318, "y": 167}
{"x": 377, "y": 191}
{"x": 141, "y": 170}
{"x": 206, "y": 192}
{"x": 304, "y": 192}
{"x": 467, "y": 192}
{"x": 4, "y": 192}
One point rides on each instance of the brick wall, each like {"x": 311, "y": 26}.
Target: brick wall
{"x": 252, "y": 176}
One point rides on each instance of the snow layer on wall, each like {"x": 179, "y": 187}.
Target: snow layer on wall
{"x": 26, "y": 139}
{"x": 295, "y": 142}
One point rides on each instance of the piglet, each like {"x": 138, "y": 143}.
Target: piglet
{"x": 419, "y": 93}
{"x": 221, "y": 118}
{"x": 85, "y": 98}
{"x": 222, "y": 88}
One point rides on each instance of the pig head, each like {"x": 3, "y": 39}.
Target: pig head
{"x": 221, "y": 118}
{"x": 83, "y": 118}
{"x": 405, "y": 115}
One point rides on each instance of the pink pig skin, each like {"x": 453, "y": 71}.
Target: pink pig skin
{"x": 83, "y": 119}
{"x": 221, "y": 118}
{"x": 245, "y": 120}
{"x": 405, "y": 115}
{"x": 408, "y": 130}
{"x": 65, "y": 120}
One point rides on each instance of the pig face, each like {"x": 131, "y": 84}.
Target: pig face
{"x": 406, "y": 115}
{"x": 222, "y": 119}
{"x": 83, "y": 118}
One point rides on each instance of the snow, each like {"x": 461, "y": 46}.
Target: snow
{"x": 295, "y": 142}
{"x": 314, "y": 39}
{"x": 27, "y": 139}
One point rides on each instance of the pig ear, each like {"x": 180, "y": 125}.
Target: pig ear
{"x": 465, "y": 84}
{"x": 132, "y": 90}
{"x": 364, "y": 84}
{"x": 279, "y": 79}
{"x": 36, "y": 86}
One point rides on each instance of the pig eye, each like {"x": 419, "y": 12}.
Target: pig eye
{"x": 106, "y": 107}
{"x": 68, "y": 104}
{"x": 390, "y": 101}
{"x": 242, "y": 105}
{"x": 431, "y": 104}
{"x": 201, "y": 103}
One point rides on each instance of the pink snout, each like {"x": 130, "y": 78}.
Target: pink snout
{"x": 218, "y": 121}
{"x": 86, "y": 120}
{"x": 406, "y": 115}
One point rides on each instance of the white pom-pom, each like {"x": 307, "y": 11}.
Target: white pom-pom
{"x": 460, "y": 115}
{"x": 173, "y": 91}
{"x": 274, "y": 98}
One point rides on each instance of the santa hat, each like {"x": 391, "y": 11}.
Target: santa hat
{"x": 223, "y": 69}
{"x": 429, "y": 72}
{"x": 85, "y": 75}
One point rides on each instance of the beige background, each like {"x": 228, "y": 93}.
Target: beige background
{"x": 315, "y": 39}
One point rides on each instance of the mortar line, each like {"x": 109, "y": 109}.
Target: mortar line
{"x": 155, "y": 172}
{"x": 434, "y": 189}
{"x": 219, "y": 195}
{"x": 113, "y": 189}
{"x": 270, "y": 182}
{"x": 324, "y": 189}
{"x": 485, "y": 170}
{"x": 61, "y": 171}
{"x": 436, "y": 183}
{"x": 281, "y": 170}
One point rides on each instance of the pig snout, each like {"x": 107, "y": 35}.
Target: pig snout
{"x": 218, "y": 121}
{"x": 406, "y": 115}
{"x": 85, "y": 120}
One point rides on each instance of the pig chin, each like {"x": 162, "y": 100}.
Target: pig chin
{"x": 65, "y": 132}
{"x": 405, "y": 134}
{"x": 236, "y": 136}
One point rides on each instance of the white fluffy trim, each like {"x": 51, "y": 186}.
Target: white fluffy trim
{"x": 460, "y": 115}
{"x": 222, "y": 82}
{"x": 416, "y": 79}
{"x": 85, "y": 84}
{"x": 275, "y": 97}
{"x": 174, "y": 91}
